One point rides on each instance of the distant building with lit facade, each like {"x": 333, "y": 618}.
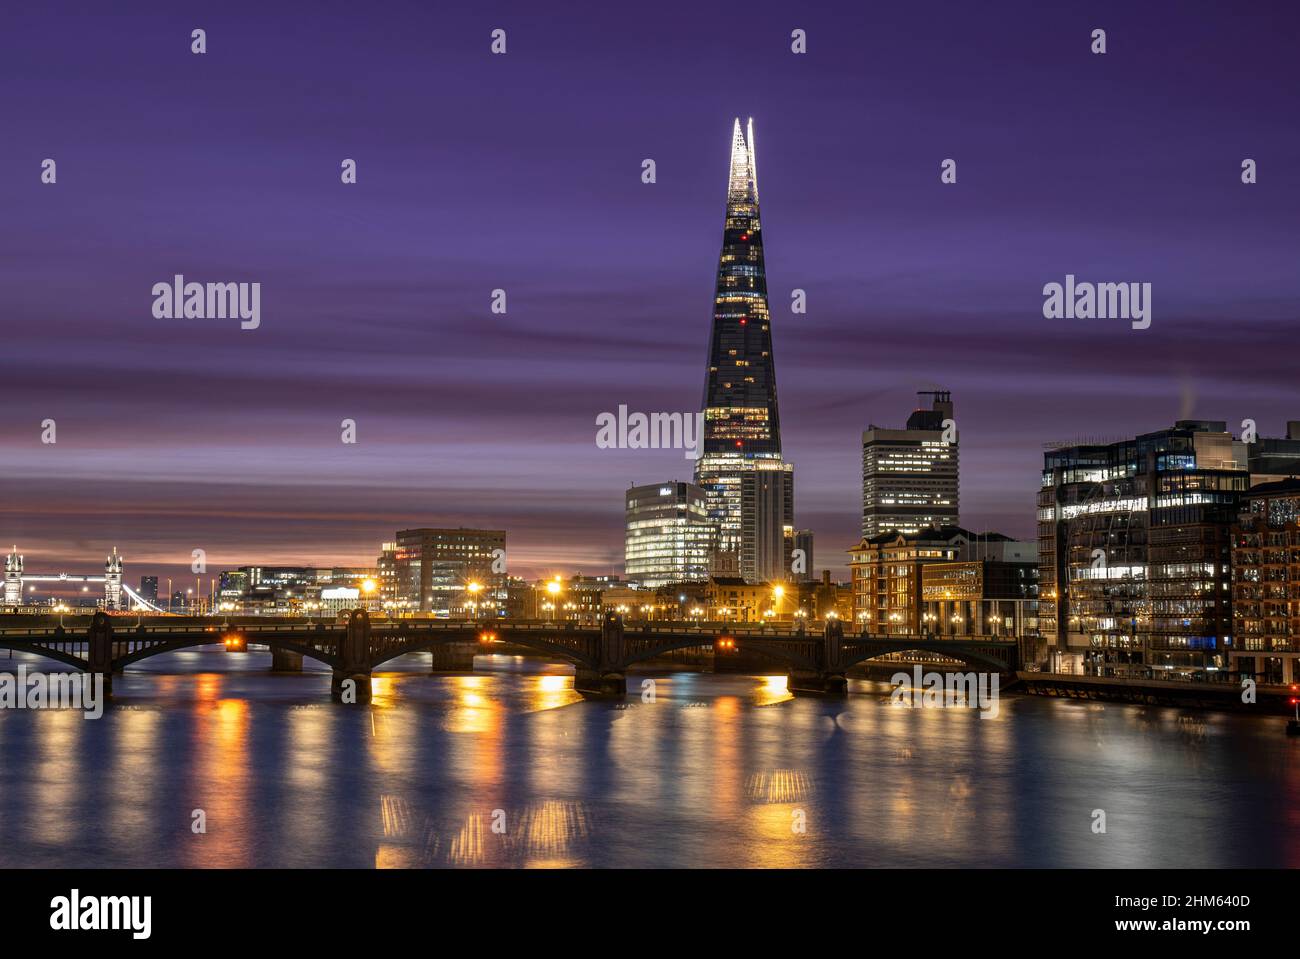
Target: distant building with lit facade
{"x": 1266, "y": 584}
{"x": 668, "y": 536}
{"x": 578, "y": 599}
{"x": 748, "y": 486}
{"x": 910, "y": 477}
{"x": 945, "y": 582}
{"x": 291, "y": 590}
{"x": 445, "y": 572}
{"x": 1134, "y": 551}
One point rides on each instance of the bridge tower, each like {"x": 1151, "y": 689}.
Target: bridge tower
{"x": 14, "y": 578}
{"x": 113, "y": 581}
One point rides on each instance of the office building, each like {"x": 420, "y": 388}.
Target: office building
{"x": 1134, "y": 541}
{"x": 910, "y": 477}
{"x": 668, "y": 535}
{"x": 448, "y": 572}
{"x": 1266, "y": 584}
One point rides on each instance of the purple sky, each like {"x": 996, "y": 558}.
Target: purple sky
{"x": 523, "y": 172}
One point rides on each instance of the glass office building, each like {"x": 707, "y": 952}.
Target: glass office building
{"x": 1134, "y": 539}
{"x": 669, "y": 536}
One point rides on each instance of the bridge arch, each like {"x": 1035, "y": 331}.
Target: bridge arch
{"x": 775, "y": 654}
{"x": 526, "y": 638}
{"x": 969, "y": 656}
{"x": 36, "y": 649}
{"x": 214, "y": 639}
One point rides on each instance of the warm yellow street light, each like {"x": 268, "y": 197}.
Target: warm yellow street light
{"x": 368, "y": 586}
{"x": 777, "y": 593}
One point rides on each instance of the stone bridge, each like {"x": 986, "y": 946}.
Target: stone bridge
{"x": 356, "y": 644}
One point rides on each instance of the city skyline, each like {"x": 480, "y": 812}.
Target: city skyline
{"x": 175, "y": 435}
{"x": 393, "y": 474}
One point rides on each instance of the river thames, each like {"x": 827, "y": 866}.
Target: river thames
{"x": 510, "y": 767}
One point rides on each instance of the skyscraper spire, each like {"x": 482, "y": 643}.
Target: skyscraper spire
{"x": 743, "y": 185}
{"x": 741, "y": 413}
{"x": 750, "y": 489}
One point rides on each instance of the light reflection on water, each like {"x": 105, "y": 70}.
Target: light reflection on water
{"x": 510, "y": 767}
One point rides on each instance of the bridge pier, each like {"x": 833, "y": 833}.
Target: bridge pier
{"x": 453, "y": 658}
{"x": 357, "y": 692}
{"x": 826, "y": 677}
{"x": 606, "y": 678}
{"x": 814, "y": 683}
{"x": 353, "y": 666}
{"x": 99, "y": 649}
{"x": 284, "y": 661}
{"x": 594, "y": 684}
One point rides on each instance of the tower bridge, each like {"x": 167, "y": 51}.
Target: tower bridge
{"x": 116, "y": 593}
{"x": 355, "y": 645}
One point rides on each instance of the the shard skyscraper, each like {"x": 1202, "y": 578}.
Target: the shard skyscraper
{"x": 749, "y": 488}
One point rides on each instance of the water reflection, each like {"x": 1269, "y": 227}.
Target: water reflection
{"x": 510, "y": 767}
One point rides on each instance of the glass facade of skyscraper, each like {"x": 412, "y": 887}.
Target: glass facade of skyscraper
{"x": 753, "y": 514}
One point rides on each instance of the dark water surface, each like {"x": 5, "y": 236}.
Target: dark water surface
{"x": 718, "y": 771}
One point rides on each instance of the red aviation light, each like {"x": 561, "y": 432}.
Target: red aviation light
{"x": 739, "y": 444}
{"x": 744, "y": 236}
